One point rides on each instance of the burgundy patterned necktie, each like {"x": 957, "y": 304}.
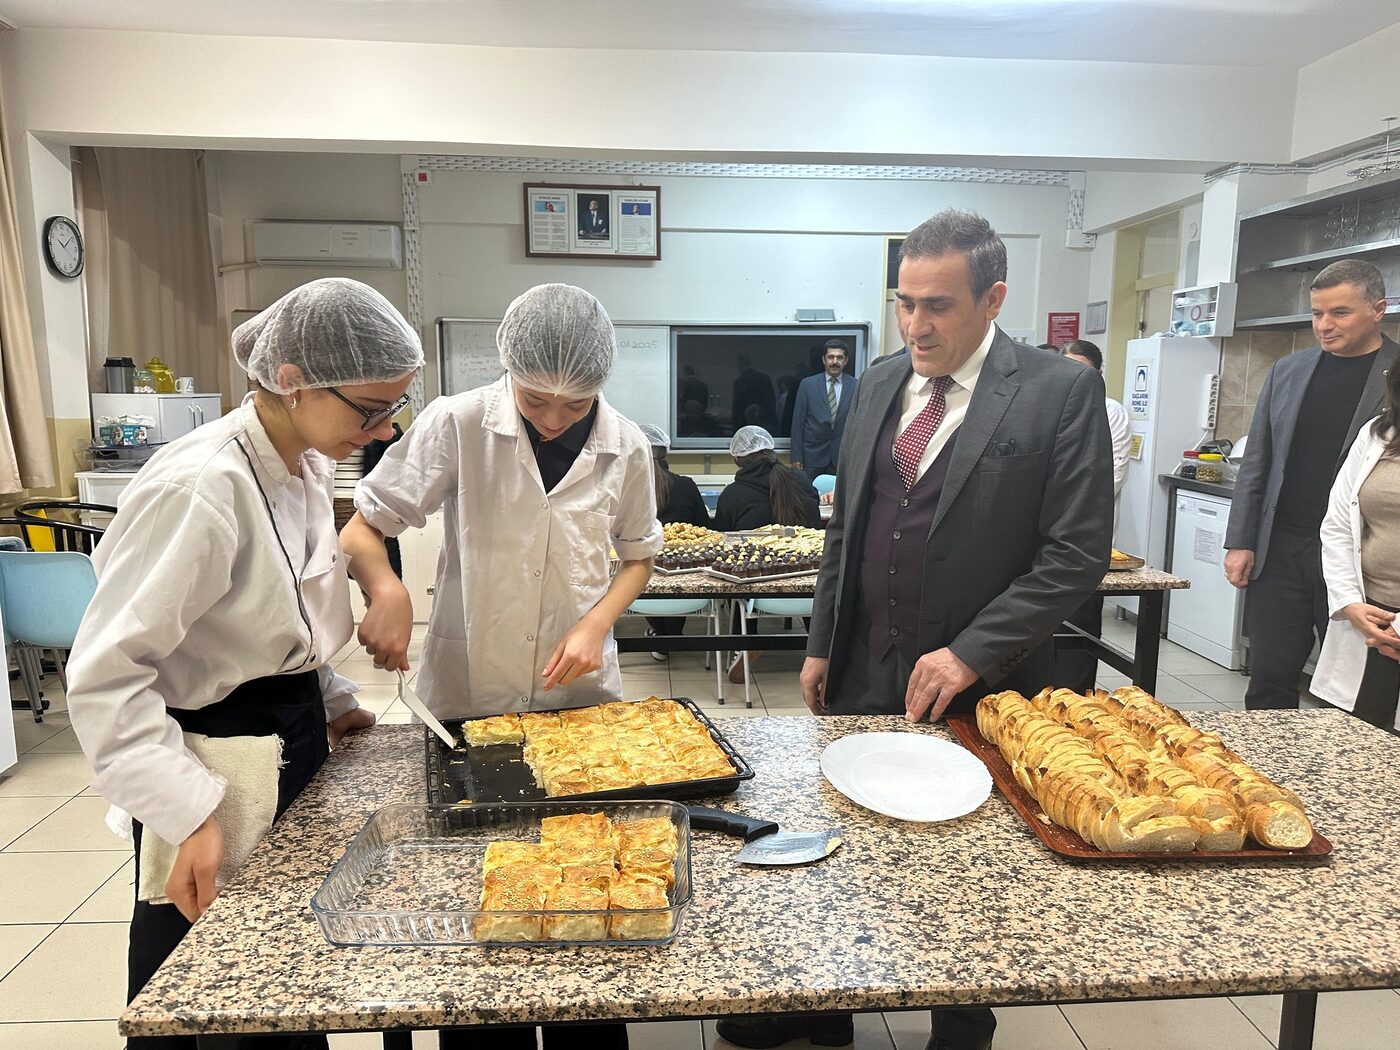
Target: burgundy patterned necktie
{"x": 910, "y": 445}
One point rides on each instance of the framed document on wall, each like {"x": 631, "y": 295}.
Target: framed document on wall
{"x": 606, "y": 222}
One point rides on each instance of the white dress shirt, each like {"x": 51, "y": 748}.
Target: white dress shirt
{"x": 519, "y": 567}
{"x": 838, "y": 385}
{"x": 194, "y": 598}
{"x": 920, "y": 388}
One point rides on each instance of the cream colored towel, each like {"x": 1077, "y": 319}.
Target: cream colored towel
{"x": 248, "y": 765}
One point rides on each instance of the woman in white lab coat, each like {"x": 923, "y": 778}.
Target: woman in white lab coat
{"x": 537, "y": 476}
{"x": 1359, "y": 667}
{"x": 221, "y": 595}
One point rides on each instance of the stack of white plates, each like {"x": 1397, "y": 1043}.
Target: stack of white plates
{"x": 908, "y": 776}
{"x": 347, "y": 472}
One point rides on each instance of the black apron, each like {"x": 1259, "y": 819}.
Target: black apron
{"x": 289, "y": 706}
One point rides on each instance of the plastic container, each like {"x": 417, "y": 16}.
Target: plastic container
{"x": 413, "y": 874}
{"x": 142, "y": 382}
{"x": 1187, "y": 467}
{"x": 121, "y": 458}
{"x": 1211, "y": 467}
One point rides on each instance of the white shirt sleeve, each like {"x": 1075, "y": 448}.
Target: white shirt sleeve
{"x": 171, "y": 563}
{"x": 1122, "y": 441}
{"x": 636, "y": 534}
{"x": 417, "y": 473}
{"x": 337, "y": 692}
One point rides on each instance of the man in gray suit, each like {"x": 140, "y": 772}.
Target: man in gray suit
{"x": 974, "y": 505}
{"x": 1310, "y": 410}
{"x": 819, "y": 416}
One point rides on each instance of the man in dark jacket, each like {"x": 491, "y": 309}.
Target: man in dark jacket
{"x": 819, "y": 416}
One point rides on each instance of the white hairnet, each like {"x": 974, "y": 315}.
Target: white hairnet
{"x": 339, "y": 332}
{"x": 656, "y": 437}
{"x": 557, "y": 339}
{"x": 748, "y": 440}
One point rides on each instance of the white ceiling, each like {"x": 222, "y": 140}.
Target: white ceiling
{"x": 1288, "y": 33}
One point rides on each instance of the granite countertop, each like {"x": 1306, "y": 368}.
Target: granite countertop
{"x": 903, "y": 915}
{"x": 700, "y": 584}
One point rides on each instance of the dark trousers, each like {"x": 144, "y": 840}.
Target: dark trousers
{"x": 286, "y": 705}
{"x": 1379, "y": 692}
{"x": 667, "y": 624}
{"x": 1284, "y": 610}
{"x": 1077, "y": 669}
{"x": 814, "y": 472}
{"x": 522, "y": 1037}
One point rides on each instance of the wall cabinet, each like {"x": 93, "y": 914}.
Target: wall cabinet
{"x": 1281, "y": 248}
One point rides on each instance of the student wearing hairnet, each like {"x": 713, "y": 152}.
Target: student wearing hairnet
{"x": 677, "y": 499}
{"x": 536, "y": 475}
{"x": 221, "y": 594}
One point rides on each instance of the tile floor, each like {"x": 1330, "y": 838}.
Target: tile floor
{"x": 66, "y": 890}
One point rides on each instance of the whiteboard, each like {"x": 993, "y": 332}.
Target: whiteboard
{"x": 640, "y": 386}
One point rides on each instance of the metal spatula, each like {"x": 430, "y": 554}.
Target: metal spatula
{"x": 768, "y": 845}
{"x": 411, "y": 701}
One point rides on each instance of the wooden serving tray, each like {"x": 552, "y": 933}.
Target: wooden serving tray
{"x": 1068, "y": 844}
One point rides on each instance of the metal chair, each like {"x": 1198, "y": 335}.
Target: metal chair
{"x": 707, "y": 607}
{"x": 783, "y": 608}
{"x": 43, "y": 596}
{"x": 58, "y": 525}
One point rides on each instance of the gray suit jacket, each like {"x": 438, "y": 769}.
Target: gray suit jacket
{"x": 1021, "y": 535}
{"x": 816, "y": 437}
{"x": 1260, "y": 474}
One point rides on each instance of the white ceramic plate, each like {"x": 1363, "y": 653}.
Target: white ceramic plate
{"x": 908, "y": 776}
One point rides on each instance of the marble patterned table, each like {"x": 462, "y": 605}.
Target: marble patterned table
{"x": 903, "y": 916}
{"x": 1149, "y": 586}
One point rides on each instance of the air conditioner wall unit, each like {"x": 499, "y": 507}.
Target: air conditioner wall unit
{"x": 371, "y": 245}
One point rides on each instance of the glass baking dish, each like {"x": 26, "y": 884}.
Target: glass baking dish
{"x": 413, "y": 875}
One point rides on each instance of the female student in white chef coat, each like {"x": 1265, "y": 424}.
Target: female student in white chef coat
{"x": 536, "y": 475}
{"x": 222, "y": 592}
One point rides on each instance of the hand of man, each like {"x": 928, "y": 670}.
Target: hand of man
{"x": 796, "y": 464}
{"x": 354, "y": 719}
{"x": 827, "y": 498}
{"x": 813, "y": 679}
{"x": 1238, "y": 565}
{"x": 938, "y": 677}
{"x": 578, "y": 653}
{"x": 191, "y": 883}
{"x": 387, "y": 627}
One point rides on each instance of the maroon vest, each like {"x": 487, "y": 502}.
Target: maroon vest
{"x": 896, "y": 537}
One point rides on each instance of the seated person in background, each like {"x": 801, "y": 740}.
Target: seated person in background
{"x": 1359, "y": 669}
{"x": 764, "y": 491}
{"x": 677, "y": 499}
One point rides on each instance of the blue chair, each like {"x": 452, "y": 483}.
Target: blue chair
{"x": 43, "y": 596}
{"x": 824, "y": 483}
{"x": 785, "y": 608}
{"x": 708, "y": 607}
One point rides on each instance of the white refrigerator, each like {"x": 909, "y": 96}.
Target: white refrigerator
{"x": 1206, "y": 618}
{"x": 1166, "y": 392}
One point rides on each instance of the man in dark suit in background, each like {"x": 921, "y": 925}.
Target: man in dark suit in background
{"x": 1310, "y": 410}
{"x": 974, "y": 505}
{"x": 819, "y": 415}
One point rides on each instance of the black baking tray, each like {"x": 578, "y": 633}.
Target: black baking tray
{"x": 499, "y": 773}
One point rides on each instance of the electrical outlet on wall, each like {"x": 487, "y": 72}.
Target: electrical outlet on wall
{"x": 1211, "y": 405}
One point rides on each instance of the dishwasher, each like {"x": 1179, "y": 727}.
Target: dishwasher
{"x": 1205, "y": 618}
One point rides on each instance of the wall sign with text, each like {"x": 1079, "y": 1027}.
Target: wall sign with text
{"x": 617, "y": 222}
{"x": 1062, "y": 328}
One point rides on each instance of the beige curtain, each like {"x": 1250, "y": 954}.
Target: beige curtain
{"x": 26, "y": 456}
{"x": 150, "y": 270}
